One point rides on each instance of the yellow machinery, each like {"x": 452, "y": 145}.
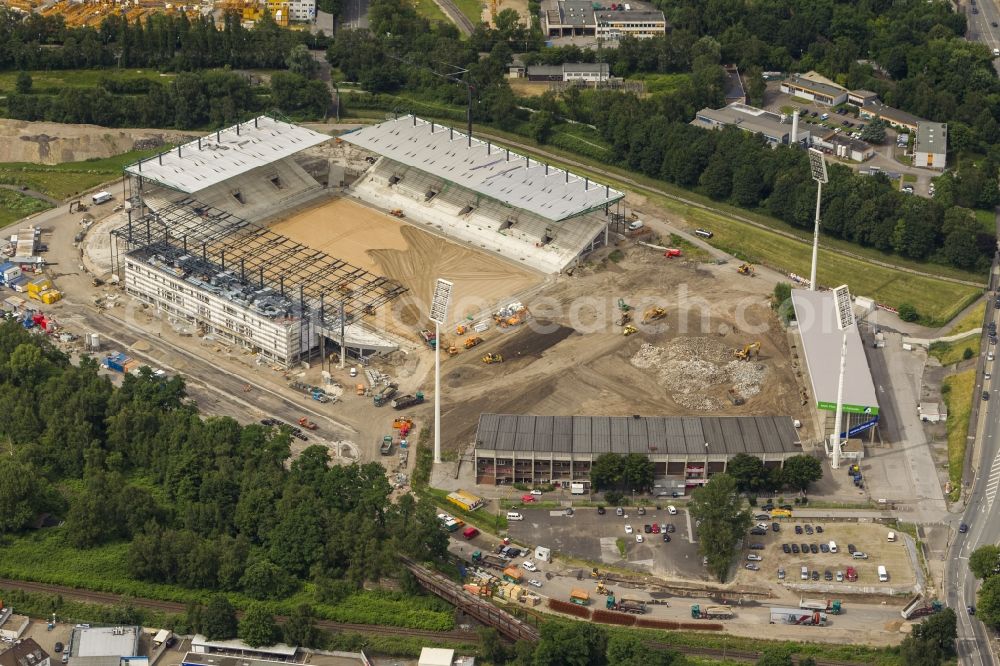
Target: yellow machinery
{"x": 653, "y": 313}
{"x": 452, "y": 350}
{"x": 628, "y": 330}
{"x": 602, "y": 589}
{"x": 492, "y": 358}
{"x": 472, "y": 342}
{"x": 748, "y": 351}
{"x": 461, "y": 329}
{"x": 746, "y": 269}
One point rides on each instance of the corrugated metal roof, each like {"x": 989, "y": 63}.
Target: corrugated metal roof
{"x": 686, "y": 435}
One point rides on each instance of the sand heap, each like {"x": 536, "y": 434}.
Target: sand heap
{"x": 691, "y": 369}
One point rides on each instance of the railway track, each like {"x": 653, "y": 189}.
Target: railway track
{"x": 110, "y": 599}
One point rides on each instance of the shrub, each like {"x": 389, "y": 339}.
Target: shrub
{"x": 907, "y": 312}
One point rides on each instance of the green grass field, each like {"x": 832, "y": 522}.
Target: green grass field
{"x": 429, "y": 9}
{"x": 949, "y": 353}
{"x": 62, "y": 181}
{"x": 971, "y": 321}
{"x": 51, "y": 82}
{"x": 660, "y": 83}
{"x": 988, "y": 220}
{"x": 958, "y": 397}
{"x": 14, "y": 206}
{"x": 473, "y": 9}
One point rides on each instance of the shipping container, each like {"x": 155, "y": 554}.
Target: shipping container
{"x": 465, "y": 500}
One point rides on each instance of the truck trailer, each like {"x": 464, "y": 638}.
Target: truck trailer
{"x": 919, "y": 607}
{"x": 797, "y": 616}
{"x": 490, "y": 561}
{"x": 626, "y": 605}
{"x": 831, "y": 606}
{"x": 404, "y": 401}
{"x": 711, "y": 612}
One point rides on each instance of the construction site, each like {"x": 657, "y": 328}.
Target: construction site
{"x": 91, "y": 13}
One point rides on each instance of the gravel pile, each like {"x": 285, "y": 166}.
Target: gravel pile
{"x": 690, "y": 368}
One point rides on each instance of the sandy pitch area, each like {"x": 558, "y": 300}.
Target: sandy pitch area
{"x": 386, "y": 246}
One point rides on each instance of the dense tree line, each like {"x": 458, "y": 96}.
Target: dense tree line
{"x": 189, "y": 100}
{"x": 203, "y": 502}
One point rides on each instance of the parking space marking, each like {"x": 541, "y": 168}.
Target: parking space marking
{"x": 993, "y": 482}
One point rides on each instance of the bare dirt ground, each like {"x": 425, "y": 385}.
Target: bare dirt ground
{"x": 521, "y": 6}
{"x": 571, "y": 358}
{"x": 386, "y": 246}
{"x": 530, "y": 88}
{"x": 54, "y": 143}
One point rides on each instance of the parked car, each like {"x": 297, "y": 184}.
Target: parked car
{"x": 795, "y": 548}
{"x": 819, "y": 529}
{"x": 535, "y": 583}
{"x": 786, "y": 548}
{"x": 827, "y": 575}
{"x": 781, "y": 574}
{"x": 628, "y": 529}
{"x": 58, "y": 647}
{"x": 671, "y": 528}
{"x": 648, "y": 529}
{"x": 851, "y": 548}
{"x": 805, "y": 547}
{"x": 808, "y": 529}
{"x": 656, "y": 528}
{"x": 840, "y": 576}
{"x": 638, "y": 538}
{"x": 536, "y": 492}
{"x": 756, "y": 546}
{"x": 671, "y": 510}
{"x": 641, "y": 510}
{"x": 529, "y": 565}
{"x": 666, "y": 538}
{"x": 601, "y": 511}
{"x": 757, "y": 531}
{"x": 752, "y": 567}
{"x": 824, "y": 548}
{"x": 798, "y": 529}
{"x": 813, "y": 548}
{"x": 815, "y": 575}
{"x": 754, "y": 557}
{"x": 776, "y": 527}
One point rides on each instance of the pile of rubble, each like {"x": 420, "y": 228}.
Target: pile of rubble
{"x": 692, "y": 368}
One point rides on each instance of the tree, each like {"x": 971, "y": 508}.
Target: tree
{"x": 24, "y": 493}
{"x": 874, "y": 132}
{"x": 781, "y": 301}
{"x": 265, "y": 580}
{"x": 984, "y": 561}
{"x": 300, "y": 629}
{"x": 638, "y": 472}
{"x": 628, "y": 650}
{"x": 988, "y": 602}
{"x": 606, "y": 471}
{"x": 491, "y": 646}
{"x": 218, "y": 620}
{"x": 940, "y": 631}
{"x": 301, "y": 62}
{"x": 571, "y": 644}
{"x": 23, "y": 83}
{"x": 907, "y": 312}
{"x": 257, "y": 627}
{"x": 541, "y": 125}
{"x": 723, "y": 522}
{"x": 775, "y": 656}
{"x": 800, "y": 471}
{"x": 748, "y": 471}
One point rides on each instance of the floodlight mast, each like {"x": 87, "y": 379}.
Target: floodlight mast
{"x": 845, "y": 321}
{"x": 439, "y": 315}
{"x": 817, "y": 166}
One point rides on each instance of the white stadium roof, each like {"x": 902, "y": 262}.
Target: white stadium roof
{"x": 226, "y": 153}
{"x": 482, "y": 167}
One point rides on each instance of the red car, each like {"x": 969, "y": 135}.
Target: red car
{"x": 527, "y": 498}
{"x": 470, "y": 532}
{"x": 656, "y": 528}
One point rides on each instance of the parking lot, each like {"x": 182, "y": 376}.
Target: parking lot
{"x": 589, "y": 536}
{"x": 869, "y": 538}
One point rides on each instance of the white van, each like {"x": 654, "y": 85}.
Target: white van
{"x": 833, "y": 546}
{"x": 883, "y": 575}
{"x": 805, "y": 573}
{"x": 101, "y": 197}
{"x": 514, "y": 515}
{"x": 704, "y": 233}
{"x": 890, "y": 537}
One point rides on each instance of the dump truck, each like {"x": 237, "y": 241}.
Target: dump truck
{"x": 711, "y": 612}
{"x": 490, "y": 561}
{"x": 383, "y": 395}
{"x": 307, "y": 424}
{"x": 797, "y": 616}
{"x": 626, "y": 605}
{"x": 319, "y": 395}
{"x": 386, "y": 447}
{"x": 920, "y": 607}
{"x": 429, "y": 338}
{"x": 831, "y": 606}
{"x": 404, "y": 401}
{"x": 579, "y": 597}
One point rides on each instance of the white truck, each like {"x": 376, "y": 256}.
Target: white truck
{"x": 798, "y": 616}
{"x": 101, "y": 197}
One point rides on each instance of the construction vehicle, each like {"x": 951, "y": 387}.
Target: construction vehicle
{"x": 386, "y": 447}
{"x": 306, "y": 423}
{"x": 404, "y": 401}
{"x": 711, "y": 612}
{"x": 384, "y": 394}
{"x": 492, "y": 358}
{"x": 672, "y": 252}
{"x": 623, "y": 306}
{"x": 746, "y": 269}
{"x": 797, "y": 616}
{"x": 359, "y": 389}
{"x": 735, "y": 398}
{"x": 461, "y": 329}
{"x": 629, "y": 330}
{"x": 919, "y": 607}
{"x": 319, "y": 395}
{"x": 452, "y": 350}
{"x": 487, "y": 560}
{"x": 747, "y": 351}
{"x": 626, "y": 605}
{"x": 595, "y": 573}
{"x": 397, "y": 212}
{"x": 831, "y": 606}
{"x": 624, "y": 320}
{"x": 602, "y": 589}
{"x": 472, "y": 342}
{"x": 402, "y": 423}
{"x": 653, "y": 313}
{"x": 429, "y": 338}
{"x": 78, "y": 206}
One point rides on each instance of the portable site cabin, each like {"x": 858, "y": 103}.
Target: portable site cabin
{"x": 579, "y": 597}
{"x": 465, "y": 500}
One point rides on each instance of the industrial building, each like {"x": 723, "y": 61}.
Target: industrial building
{"x": 575, "y": 18}
{"x": 483, "y": 195}
{"x": 931, "y": 147}
{"x": 895, "y": 117}
{"x": 205, "y": 652}
{"x": 816, "y": 323}
{"x": 112, "y": 642}
{"x": 771, "y": 126}
{"x": 561, "y": 449}
{"x": 586, "y": 72}
{"x": 195, "y": 246}
{"x": 845, "y": 147}
{"x": 820, "y": 92}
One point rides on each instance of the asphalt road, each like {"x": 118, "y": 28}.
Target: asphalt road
{"x": 355, "y": 14}
{"x": 981, "y": 28}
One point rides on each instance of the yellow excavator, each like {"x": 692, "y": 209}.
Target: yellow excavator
{"x": 492, "y": 358}
{"x": 653, "y": 313}
{"x": 746, "y": 269}
{"x": 747, "y": 351}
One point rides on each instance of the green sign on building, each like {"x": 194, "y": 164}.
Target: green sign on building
{"x": 848, "y": 409}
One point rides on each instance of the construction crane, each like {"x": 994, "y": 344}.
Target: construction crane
{"x": 746, "y": 269}
{"x": 747, "y": 351}
{"x": 653, "y": 313}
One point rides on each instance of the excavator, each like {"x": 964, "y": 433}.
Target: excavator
{"x": 747, "y": 351}
{"x": 623, "y": 306}
{"x": 628, "y": 330}
{"x": 746, "y": 269}
{"x": 653, "y": 313}
{"x": 492, "y": 358}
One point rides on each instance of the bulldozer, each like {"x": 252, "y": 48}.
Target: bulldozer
{"x": 747, "y": 351}
{"x": 653, "y": 313}
{"x": 472, "y": 342}
{"x": 746, "y": 269}
{"x": 492, "y": 358}
{"x": 628, "y": 330}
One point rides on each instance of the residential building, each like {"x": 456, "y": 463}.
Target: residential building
{"x": 25, "y": 652}
{"x": 12, "y": 626}
{"x": 895, "y": 117}
{"x": 828, "y": 94}
{"x": 751, "y": 119}
{"x": 930, "y": 149}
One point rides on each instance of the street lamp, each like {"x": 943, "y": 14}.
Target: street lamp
{"x": 706, "y": 463}
{"x": 439, "y": 315}
{"x": 817, "y": 166}
{"x": 845, "y": 321}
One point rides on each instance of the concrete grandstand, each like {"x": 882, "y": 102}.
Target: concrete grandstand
{"x": 484, "y": 196}
{"x": 195, "y": 246}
